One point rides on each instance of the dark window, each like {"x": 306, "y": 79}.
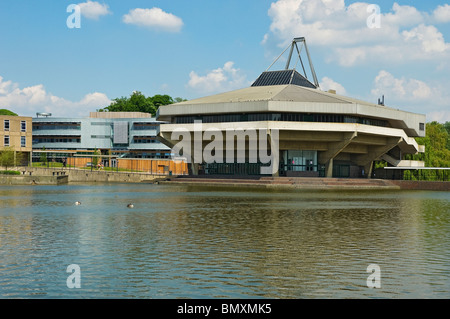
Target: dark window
{"x": 422, "y": 126}
{"x": 6, "y": 125}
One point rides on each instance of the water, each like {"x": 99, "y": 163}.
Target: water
{"x": 194, "y": 242}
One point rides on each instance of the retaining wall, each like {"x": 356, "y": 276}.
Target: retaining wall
{"x": 32, "y": 180}
{"x": 87, "y": 176}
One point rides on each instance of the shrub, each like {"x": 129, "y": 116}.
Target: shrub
{"x": 10, "y": 172}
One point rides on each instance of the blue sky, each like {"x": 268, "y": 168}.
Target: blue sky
{"x": 196, "y": 48}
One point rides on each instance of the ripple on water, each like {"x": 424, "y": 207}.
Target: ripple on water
{"x": 187, "y": 242}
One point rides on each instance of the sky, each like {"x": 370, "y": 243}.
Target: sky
{"x": 70, "y": 58}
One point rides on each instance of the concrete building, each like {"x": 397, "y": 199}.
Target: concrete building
{"x": 120, "y": 134}
{"x": 16, "y": 133}
{"x": 318, "y": 133}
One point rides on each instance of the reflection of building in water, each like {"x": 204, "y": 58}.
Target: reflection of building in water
{"x": 320, "y": 133}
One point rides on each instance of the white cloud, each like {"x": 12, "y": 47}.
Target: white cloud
{"x": 32, "y": 99}
{"x": 428, "y": 38}
{"x": 221, "y": 79}
{"x": 328, "y": 84}
{"x": 413, "y": 95}
{"x": 341, "y": 30}
{"x": 154, "y": 18}
{"x": 93, "y": 9}
{"x": 442, "y": 14}
{"x": 402, "y": 89}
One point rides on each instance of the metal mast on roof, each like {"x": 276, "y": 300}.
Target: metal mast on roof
{"x": 294, "y": 44}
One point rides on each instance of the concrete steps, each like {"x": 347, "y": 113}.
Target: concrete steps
{"x": 293, "y": 182}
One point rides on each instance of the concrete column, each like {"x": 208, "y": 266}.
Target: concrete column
{"x": 368, "y": 169}
{"x": 194, "y": 168}
{"x": 329, "y": 168}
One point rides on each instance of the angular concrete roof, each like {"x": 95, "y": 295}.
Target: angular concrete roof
{"x": 289, "y": 92}
{"x": 291, "y": 98}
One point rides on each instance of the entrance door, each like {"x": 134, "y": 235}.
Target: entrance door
{"x": 310, "y": 165}
{"x": 297, "y": 162}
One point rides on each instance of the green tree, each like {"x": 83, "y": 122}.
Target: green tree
{"x": 138, "y": 102}
{"x": 437, "y": 153}
{"x": 7, "y": 112}
{"x": 7, "y": 157}
{"x": 447, "y": 128}
{"x": 179, "y": 99}
{"x": 95, "y": 158}
{"x": 159, "y": 100}
{"x": 43, "y": 157}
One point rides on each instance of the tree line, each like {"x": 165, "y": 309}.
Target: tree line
{"x": 138, "y": 102}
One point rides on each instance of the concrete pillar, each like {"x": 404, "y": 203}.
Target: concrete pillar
{"x": 368, "y": 169}
{"x": 194, "y": 168}
{"x": 329, "y": 168}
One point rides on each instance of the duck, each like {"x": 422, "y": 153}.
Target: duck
{"x": 130, "y": 205}
{"x": 77, "y": 203}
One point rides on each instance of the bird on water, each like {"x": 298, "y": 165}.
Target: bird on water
{"x": 77, "y": 203}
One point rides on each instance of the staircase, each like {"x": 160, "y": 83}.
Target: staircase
{"x": 402, "y": 163}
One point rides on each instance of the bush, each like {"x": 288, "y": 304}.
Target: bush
{"x": 10, "y": 172}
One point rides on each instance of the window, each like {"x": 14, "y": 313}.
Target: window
{"x": 6, "y": 140}
{"x": 422, "y": 126}
{"x": 6, "y": 125}
{"x": 23, "y": 126}
{"x": 23, "y": 141}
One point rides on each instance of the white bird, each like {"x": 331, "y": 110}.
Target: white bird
{"x": 130, "y": 206}
{"x": 77, "y": 203}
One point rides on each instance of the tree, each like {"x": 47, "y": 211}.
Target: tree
{"x": 138, "y": 102}
{"x": 7, "y": 112}
{"x": 7, "y": 157}
{"x": 95, "y": 158}
{"x": 437, "y": 152}
{"x": 447, "y": 128}
{"x": 436, "y": 140}
{"x": 43, "y": 157}
{"x": 179, "y": 99}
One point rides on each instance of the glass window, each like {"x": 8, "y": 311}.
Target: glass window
{"x": 421, "y": 126}
{"x": 23, "y": 141}
{"x": 6, "y": 140}
{"x": 6, "y": 125}
{"x": 23, "y": 126}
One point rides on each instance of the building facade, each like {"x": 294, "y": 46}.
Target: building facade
{"x": 317, "y": 133}
{"x": 116, "y": 134}
{"x": 16, "y": 134}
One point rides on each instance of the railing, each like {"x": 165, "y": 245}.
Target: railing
{"x": 420, "y": 174}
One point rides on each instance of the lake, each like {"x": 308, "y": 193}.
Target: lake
{"x": 210, "y": 242}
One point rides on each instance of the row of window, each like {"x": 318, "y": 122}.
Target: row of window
{"x": 289, "y": 117}
{"x": 77, "y": 139}
{"x": 56, "y": 126}
{"x": 144, "y": 140}
{"x": 23, "y": 141}
{"x": 23, "y": 125}
{"x": 144, "y": 126}
{"x": 77, "y": 126}
{"x": 71, "y": 139}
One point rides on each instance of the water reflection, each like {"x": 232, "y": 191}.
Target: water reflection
{"x": 193, "y": 242}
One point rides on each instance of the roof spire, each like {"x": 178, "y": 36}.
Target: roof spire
{"x": 294, "y": 44}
